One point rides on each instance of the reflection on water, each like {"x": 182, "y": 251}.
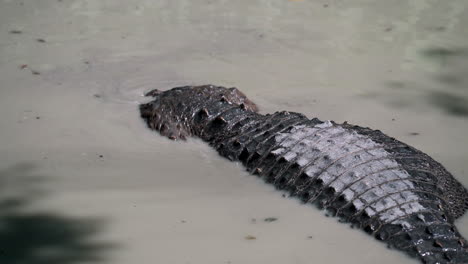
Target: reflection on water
{"x": 42, "y": 237}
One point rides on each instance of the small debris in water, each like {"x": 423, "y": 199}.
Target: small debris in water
{"x": 250, "y": 237}
{"x": 41, "y": 40}
{"x": 270, "y": 219}
{"x": 253, "y": 220}
{"x": 325, "y": 5}
{"x": 414, "y": 134}
{"x": 101, "y": 156}
{"x": 15, "y": 31}
{"x": 183, "y": 221}
{"x": 310, "y": 237}
{"x": 86, "y": 62}
{"x": 97, "y": 95}
{"x": 24, "y": 66}
{"x": 35, "y": 72}
{"x": 388, "y": 29}
{"x": 38, "y": 117}
{"x": 393, "y": 119}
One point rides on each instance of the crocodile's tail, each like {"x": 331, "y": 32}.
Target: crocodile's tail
{"x": 427, "y": 236}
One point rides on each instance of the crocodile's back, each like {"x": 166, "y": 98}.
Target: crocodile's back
{"x": 391, "y": 190}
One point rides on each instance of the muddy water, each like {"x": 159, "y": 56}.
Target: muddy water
{"x": 82, "y": 179}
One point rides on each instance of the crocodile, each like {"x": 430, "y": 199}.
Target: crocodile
{"x": 365, "y": 178}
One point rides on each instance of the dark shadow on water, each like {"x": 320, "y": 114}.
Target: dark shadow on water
{"x": 452, "y": 80}
{"x": 444, "y": 53}
{"x": 448, "y": 92}
{"x": 29, "y": 236}
{"x": 451, "y": 104}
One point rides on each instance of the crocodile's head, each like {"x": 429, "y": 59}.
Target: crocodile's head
{"x": 170, "y": 111}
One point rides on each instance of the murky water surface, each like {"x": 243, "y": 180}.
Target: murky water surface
{"x": 83, "y": 180}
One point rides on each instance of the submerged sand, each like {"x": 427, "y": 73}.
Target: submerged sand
{"x": 84, "y": 181}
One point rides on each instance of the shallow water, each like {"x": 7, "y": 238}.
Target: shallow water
{"x": 83, "y": 180}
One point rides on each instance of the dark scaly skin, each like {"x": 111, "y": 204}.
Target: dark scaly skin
{"x": 229, "y": 122}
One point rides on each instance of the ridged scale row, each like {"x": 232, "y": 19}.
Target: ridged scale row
{"x": 350, "y": 176}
